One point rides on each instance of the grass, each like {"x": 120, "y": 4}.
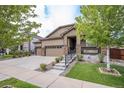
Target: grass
{"x": 6, "y": 56}
{"x": 17, "y": 83}
{"x": 90, "y": 72}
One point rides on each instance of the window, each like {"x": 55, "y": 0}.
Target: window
{"x": 21, "y": 47}
{"x": 55, "y": 46}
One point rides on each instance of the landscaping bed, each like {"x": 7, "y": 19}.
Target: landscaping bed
{"x": 90, "y": 72}
{"x": 15, "y": 83}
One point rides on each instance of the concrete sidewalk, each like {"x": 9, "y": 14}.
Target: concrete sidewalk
{"x": 45, "y": 80}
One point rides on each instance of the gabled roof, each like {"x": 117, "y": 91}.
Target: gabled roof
{"x": 38, "y": 37}
{"x": 68, "y": 27}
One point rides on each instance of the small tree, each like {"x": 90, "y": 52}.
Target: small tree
{"x": 16, "y": 24}
{"x": 102, "y": 25}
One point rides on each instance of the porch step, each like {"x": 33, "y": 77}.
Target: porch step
{"x": 60, "y": 64}
{"x": 59, "y": 67}
{"x": 63, "y": 61}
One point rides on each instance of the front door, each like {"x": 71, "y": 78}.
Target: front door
{"x": 72, "y": 44}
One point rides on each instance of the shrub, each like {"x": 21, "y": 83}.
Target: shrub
{"x": 79, "y": 57}
{"x": 20, "y": 53}
{"x": 60, "y": 58}
{"x": 57, "y": 60}
{"x": 27, "y": 53}
{"x": 101, "y": 57}
{"x": 43, "y": 67}
{"x": 16, "y": 54}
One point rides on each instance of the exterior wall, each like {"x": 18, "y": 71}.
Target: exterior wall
{"x": 25, "y": 46}
{"x": 38, "y": 45}
{"x": 32, "y": 45}
{"x": 52, "y": 42}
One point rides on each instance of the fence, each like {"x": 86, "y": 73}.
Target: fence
{"x": 117, "y": 53}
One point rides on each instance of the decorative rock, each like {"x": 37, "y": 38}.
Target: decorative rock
{"x": 113, "y": 72}
{"x": 7, "y": 86}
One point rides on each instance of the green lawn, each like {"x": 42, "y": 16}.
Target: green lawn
{"x": 90, "y": 72}
{"x": 16, "y": 83}
{"x": 6, "y": 56}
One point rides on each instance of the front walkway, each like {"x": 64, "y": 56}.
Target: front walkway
{"x": 44, "y": 80}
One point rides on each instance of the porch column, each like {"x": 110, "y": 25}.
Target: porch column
{"x": 65, "y": 49}
{"x": 78, "y": 46}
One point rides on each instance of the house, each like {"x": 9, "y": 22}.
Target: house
{"x": 29, "y": 46}
{"x": 61, "y": 41}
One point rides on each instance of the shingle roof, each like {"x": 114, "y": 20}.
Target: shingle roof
{"x": 38, "y": 37}
{"x": 60, "y": 27}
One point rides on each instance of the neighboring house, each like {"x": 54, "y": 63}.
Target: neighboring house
{"x": 61, "y": 41}
{"x": 29, "y": 46}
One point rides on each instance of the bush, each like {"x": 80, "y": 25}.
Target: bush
{"x": 43, "y": 67}
{"x": 16, "y": 54}
{"x": 60, "y": 58}
{"x": 101, "y": 57}
{"x": 27, "y": 53}
{"x": 57, "y": 60}
{"x": 20, "y": 53}
{"x": 79, "y": 57}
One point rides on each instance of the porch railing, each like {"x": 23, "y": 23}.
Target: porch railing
{"x": 69, "y": 58}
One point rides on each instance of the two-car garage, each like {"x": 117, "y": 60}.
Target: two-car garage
{"x": 54, "y": 50}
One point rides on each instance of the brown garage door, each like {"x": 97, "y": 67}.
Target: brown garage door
{"x": 54, "y": 51}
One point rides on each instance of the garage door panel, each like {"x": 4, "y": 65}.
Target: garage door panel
{"x": 54, "y": 51}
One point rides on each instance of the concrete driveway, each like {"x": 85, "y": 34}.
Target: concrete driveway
{"x": 32, "y": 62}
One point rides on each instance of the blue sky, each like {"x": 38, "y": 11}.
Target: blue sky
{"x": 53, "y": 16}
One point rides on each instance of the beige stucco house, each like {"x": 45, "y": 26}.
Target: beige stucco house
{"x": 61, "y": 41}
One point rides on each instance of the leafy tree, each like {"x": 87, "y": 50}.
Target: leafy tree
{"x": 16, "y": 24}
{"x": 102, "y": 25}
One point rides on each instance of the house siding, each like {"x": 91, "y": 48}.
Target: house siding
{"x": 54, "y": 51}
{"x": 52, "y": 42}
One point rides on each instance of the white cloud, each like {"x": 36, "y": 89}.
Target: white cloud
{"x": 57, "y": 15}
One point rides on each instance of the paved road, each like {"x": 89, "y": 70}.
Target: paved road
{"x": 44, "y": 80}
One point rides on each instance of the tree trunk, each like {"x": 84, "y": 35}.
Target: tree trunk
{"x": 108, "y": 58}
{"x": 29, "y": 46}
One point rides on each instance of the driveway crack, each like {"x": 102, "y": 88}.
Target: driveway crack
{"x": 52, "y": 82}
